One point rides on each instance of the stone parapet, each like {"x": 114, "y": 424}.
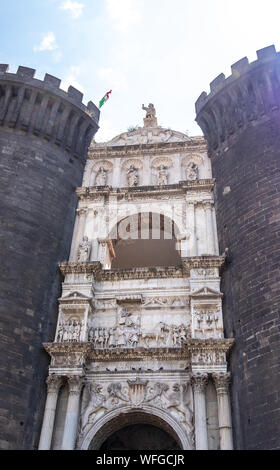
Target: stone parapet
{"x": 251, "y": 94}
{"x": 43, "y": 109}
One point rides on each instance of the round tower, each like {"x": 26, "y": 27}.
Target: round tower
{"x": 44, "y": 136}
{"x": 240, "y": 119}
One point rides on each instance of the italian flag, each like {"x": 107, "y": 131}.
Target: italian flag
{"x": 105, "y": 98}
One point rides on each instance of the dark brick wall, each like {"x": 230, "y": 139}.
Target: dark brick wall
{"x": 248, "y": 220}
{"x": 38, "y": 201}
{"x": 44, "y": 137}
{"x": 241, "y": 122}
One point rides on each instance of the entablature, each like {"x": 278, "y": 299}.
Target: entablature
{"x": 95, "y": 269}
{"x": 182, "y": 188}
{"x": 197, "y": 144}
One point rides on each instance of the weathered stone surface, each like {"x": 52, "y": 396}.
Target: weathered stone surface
{"x": 244, "y": 143}
{"x": 37, "y": 191}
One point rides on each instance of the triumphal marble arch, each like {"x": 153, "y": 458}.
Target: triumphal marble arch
{"x": 140, "y": 340}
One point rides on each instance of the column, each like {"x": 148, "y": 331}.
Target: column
{"x": 210, "y": 228}
{"x": 75, "y": 383}
{"x": 199, "y": 382}
{"x": 54, "y": 383}
{"x": 222, "y": 381}
{"x": 78, "y": 233}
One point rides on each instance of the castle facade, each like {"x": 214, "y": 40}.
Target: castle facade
{"x": 140, "y": 276}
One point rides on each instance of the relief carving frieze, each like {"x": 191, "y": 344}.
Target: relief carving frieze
{"x": 129, "y": 334}
{"x": 174, "y": 398}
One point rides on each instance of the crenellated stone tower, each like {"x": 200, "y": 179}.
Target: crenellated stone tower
{"x": 139, "y": 359}
{"x": 44, "y": 136}
{"x": 240, "y": 119}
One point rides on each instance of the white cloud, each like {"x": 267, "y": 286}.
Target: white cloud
{"x": 72, "y": 79}
{"x": 48, "y": 43}
{"x": 124, "y": 14}
{"x": 75, "y": 8}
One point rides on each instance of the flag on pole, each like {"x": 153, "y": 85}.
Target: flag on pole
{"x": 105, "y": 98}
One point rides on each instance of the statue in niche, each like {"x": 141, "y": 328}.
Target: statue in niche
{"x": 101, "y": 177}
{"x": 132, "y": 176}
{"x": 192, "y": 172}
{"x": 150, "y": 110}
{"x": 162, "y": 176}
{"x": 84, "y": 250}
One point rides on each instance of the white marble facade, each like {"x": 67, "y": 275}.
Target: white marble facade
{"x": 145, "y": 340}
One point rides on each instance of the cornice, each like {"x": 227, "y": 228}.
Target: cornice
{"x": 189, "y": 347}
{"x": 95, "y": 268}
{"x": 67, "y": 348}
{"x": 202, "y": 262}
{"x": 183, "y": 187}
{"x": 91, "y": 267}
{"x": 196, "y": 144}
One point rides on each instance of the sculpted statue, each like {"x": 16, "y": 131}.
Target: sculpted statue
{"x": 132, "y": 176}
{"x": 84, "y": 250}
{"x": 150, "y": 110}
{"x": 162, "y": 176}
{"x": 101, "y": 176}
{"x": 192, "y": 172}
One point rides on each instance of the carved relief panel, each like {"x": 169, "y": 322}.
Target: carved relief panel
{"x": 207, "y": 319}
{"x": 139, "y": 323}
{"x": 173, "y": 398}
{"x": 74, "y": 311}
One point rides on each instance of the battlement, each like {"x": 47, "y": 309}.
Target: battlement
{"x": 239, "y": 69}
{"x": 250, "y": 93}
{"x": 42, "y": 108}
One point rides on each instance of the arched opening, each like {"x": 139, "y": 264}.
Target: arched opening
{"x": 140, "y": 437}
{"x": 136, "y": 431}
{"x": 146, "y": 240}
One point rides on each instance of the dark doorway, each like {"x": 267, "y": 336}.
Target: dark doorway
{"x": 140, "y": 437}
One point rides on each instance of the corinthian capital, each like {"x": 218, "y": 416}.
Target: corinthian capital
{"x": 54, "y": 383}
{"x": 222, "y": 381}
{"x": 199, "y": 381}
{"x": 75, "y": 383}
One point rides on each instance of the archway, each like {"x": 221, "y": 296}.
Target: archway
{"x": 136, "y": 431}
{"x": 146, "y": 240}
{"x": 99, "y": 432}
{"x": 140, "y": 437}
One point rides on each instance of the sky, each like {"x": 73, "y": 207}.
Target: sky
{"x": 164, "y": 52}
